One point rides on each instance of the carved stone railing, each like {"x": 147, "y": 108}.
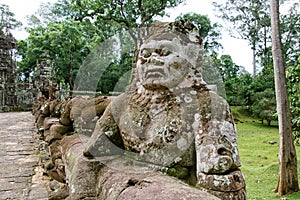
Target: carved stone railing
{"x": 168, "y": 123}
{"x": 66, "y": 126}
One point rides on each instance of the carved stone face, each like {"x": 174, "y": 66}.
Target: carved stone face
{"x": 161, "y": 64}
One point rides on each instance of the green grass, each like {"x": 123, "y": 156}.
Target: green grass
{"x": 259, "y": 157}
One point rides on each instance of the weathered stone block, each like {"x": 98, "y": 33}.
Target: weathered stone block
{"x": 78, "y": 103}
{"x": 54, "y": 150}
{"x": 50, "y": 121}
{"x": 56, "y": 132}
{"x": 65, "y": 116}
{"x": 40, "y": 122}
{"x": 81, "y": 173}
{"x": 46, "y": 109}
{"x": 89, "y": 114}
{"x": 89, "y": 178}
{"x": 101, "y": 105}
{"x": 54, "y": 175}
{"x": 52, "y": 106}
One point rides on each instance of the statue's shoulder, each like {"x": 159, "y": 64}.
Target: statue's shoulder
{"x": 115, "y": 100}
{"x": 217, "y": 99}
{"x": 118, "y": 103}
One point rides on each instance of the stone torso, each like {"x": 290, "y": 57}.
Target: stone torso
{"x": 159, "y": 127}
{"x": 168, "y": 117}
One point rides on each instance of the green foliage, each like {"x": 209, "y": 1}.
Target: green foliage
{"x": 68, "y": 31}
{"x": 250, "y": 20}
{"x": 131, "y": 14}
{"x": 264, "y": 105}
{"x": 210, "y": 33}
{"x": 26, "y": 66}
{"x": 7, "y": 19}
{"x": 52, "y": 12}
{"x": 257, "y": 93}
{"x": 64, "y": 43}
{"x": 228, "y": 68}
{"x": 114, "y": 73}
{"x": 293, "y": 78}
{"x": 106, "y": 65}
{"x": 263, "y": 100}
{"x": 238, "y": 90}
{"x": 57, "y": 36}
{"x": 236, "y": 81}
{"x": 290, "y": 26}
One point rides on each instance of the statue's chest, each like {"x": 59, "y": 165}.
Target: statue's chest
{"x": 160, "y": 133}
{"x": 154, "y": 128}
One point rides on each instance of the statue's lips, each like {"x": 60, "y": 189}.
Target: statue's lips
{"x": 227, "y": 182}
{"x": 156, "y": 72}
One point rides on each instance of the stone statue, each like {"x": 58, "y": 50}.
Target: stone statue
{"x": 168, "y": 118}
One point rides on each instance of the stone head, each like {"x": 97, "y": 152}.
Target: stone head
{"x": 170, "y": 56}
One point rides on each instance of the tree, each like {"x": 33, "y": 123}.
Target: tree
{"x": 251, "y": 20}
{"x": 290, "y": 26}
{"x": 66, "y": 41}
{"x": 65, "y": 44}
{"x": 228, "y": 68}
{"x": 236, "y": 81}
{"x": 52, "y": 12}
{"x": 7, "y": 20}
{"x": 131, "y": 15}
{"x": 264, "y": 106}
{"x": 288, "y": 176}
{"x": 69, "y": 30}
{"x": 263, "y": 100}
{"x": 114, "y": 73}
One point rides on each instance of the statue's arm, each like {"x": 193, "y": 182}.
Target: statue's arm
{"x": 106, "y": 139}
{"x": 217, "y": 157}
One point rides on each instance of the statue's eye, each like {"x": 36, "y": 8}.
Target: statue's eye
{"x": 145, "y": 53}
{"x": 165, "y": 51}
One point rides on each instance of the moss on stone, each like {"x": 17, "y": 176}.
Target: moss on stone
{"x": 179, "y": 172}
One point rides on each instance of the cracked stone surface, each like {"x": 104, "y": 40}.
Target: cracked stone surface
{"x": 20, "y": 177}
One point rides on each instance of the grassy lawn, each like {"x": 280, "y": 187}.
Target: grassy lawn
{"x": 258, "y": 147}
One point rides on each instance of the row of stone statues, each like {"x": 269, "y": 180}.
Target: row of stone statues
{"x": 168, "y": 122}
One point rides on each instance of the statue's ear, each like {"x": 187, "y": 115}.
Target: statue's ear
{"x": 194, "y": 37}
{"x": 193, "y": 53}
{"x": 200, "y": 40}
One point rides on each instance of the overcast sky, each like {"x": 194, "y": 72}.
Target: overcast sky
{"x": 238, "y": 49}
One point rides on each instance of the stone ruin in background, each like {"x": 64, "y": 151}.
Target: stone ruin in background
{"x": 15, "y": 94}
{"x": 167, "y": 124}
{"x": 8, "y": 72}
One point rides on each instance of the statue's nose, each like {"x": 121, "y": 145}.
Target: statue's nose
{"x": 223, "y": 151}
{"x": 227, "y": 150}
{"x": 155, "y": 59}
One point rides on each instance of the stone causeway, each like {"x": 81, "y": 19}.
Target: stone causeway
{"x": 21, "y": 176}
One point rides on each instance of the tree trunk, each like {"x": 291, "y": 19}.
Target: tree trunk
{"x": 254, "y": 60}
{"x": 288, "y": 180}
